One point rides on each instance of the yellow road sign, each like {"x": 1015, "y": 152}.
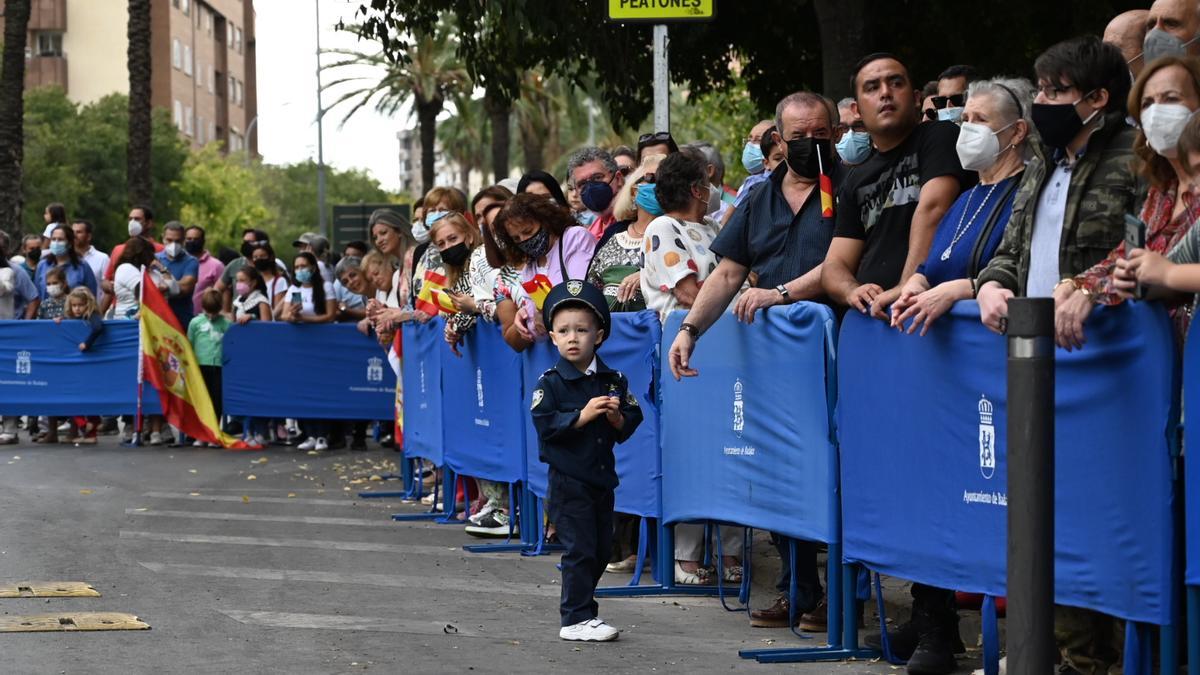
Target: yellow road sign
{"x": 48, "y": 589}
{"x": 661, "y": 11}
{"x": 74, "y": 621}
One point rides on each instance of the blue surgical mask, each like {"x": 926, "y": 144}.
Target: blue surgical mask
{"x": 752, "y": 157}
{"x": 950, "y": 115}
{"x": 58, "y": 248}
{"x": 647, "y": 199}
{"x": 434, "y": 216}
{"x": 304, "y": 276}
{"x": 855, "y": 147}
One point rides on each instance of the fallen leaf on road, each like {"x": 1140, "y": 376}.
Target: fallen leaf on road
{"x": 291, "y": 494}
{"x": 376, "y": 477}
{"x": 192, "y": 471}
{"x": 251, "y": 477}
{"x": 141, "y": 509}
{"x": 85, "y": 492}
{"x": 314, "y": 452}
{"x": 260, "y": 460}
{"x": 193, "y": 494}
{"x": 245, "y": 499}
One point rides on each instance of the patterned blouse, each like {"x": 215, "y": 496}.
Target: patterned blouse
{"x": 675, "y": 249}
{"x": 482, "y": 280}
{"x": 621, "y": 250}
{"x": 52, "y": 308}
{"x": 461, "y": 322}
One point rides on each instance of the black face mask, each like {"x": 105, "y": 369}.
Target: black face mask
{"x": 248, "y": 249}
{"x": 194, "y": 247}
{"x": 536, "y": 246}
{"x": 1058, "y": 124}
{"x": 264, "y": 265}
{"x": 456, "y": 255}
{"x": 803, "y": 158}
{"x": 33, "y": 256}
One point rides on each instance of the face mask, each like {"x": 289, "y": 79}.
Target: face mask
{"x": 950, "y": 115}
{"x": 434, "y": 216}
{"x": 248, "y": 249}
{"x": 172, "y": 249}
{"x": 978, "y": 146}
{"x": 54, "y": 290}
{"x": 1159, "y": 43}
{"x": 803, "y": 158}
{"x": 855, "y": 147}
{"x": 536, "y": 246}
{"x": 456, "y": 255}
{"x": 304, "y": 275}
{"x": 1163, "y": 124}
{"x": 243, "y": 289}
{"x": 752, "y": 157}
{"x": 585, "y": 218}
{"x": 194, "y": 247}
{"x": 647, "y": 200}
{"x": 596, "y": 196}
{"x": 1059, "y": 123}
{"x": 58, "y": 248}
{"x": 714, "y": 199}
{"x": 264, "y": 265}
{"x": 135, "y": 228}
{"x": 420, "y": 230}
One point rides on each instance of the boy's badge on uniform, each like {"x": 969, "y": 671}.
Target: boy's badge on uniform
{"x": 574, "y": 287}
{"x": 537, "y": 398}
{"x": 630, "y": 399}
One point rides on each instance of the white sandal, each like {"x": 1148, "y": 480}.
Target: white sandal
{"x": 733, "y": 574}
{"x": 697, "y": 578}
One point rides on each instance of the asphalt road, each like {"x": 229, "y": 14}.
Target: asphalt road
{"x": 268, "y": 562}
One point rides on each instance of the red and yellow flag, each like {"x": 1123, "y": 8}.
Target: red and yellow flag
{"x": 170, "y": 366}
{"x": 433, "y": 298}
{"x": 826, "y": 197}
{"x": 537, "y": 289}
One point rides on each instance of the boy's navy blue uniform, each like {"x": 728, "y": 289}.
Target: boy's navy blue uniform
{"x": 583, "y": 471}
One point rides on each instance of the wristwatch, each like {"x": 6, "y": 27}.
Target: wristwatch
{"x": 783, "y": 291}
{"x": 690, "y": 330}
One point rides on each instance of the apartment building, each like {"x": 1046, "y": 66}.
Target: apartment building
{"x": 202, "y": 55}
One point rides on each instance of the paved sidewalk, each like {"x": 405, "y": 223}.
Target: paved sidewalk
{"x": 267, "y": 562}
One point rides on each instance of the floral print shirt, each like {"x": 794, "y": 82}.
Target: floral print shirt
{"x": 675, "y": 249}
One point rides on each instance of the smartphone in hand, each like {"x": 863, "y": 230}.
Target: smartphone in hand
{"x": 1135, "y": 237}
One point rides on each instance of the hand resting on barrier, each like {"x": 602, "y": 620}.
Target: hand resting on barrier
{"x": 681, "y": 355}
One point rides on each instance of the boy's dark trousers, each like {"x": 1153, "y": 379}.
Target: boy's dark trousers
{"x": 212, "y": 381}
{"x": 583, "y": 518}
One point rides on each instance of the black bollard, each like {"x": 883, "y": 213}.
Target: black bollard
{"x": 1031, "y": 647}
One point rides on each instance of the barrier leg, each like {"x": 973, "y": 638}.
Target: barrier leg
{"x": 433, "y": 513}
{"x": 1193, "y": 629}
{"x": 507, "y": 546}
{"x": 1168, "y": 642}
{"x": 991, "y": 637}
{"x": 540, "y": 547}
{"x": 667, "y": 585}
{"x": 1137, "y": 649}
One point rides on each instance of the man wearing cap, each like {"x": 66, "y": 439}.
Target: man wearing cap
{"x": 313, "y": 243}
{"x": 581, "y": 408}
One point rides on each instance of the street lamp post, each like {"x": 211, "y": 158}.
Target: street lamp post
{"x": 320, "y": 134}
{"x": 250, "y": 128}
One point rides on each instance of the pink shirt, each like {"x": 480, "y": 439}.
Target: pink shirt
{"x": 210, "y": 273}
{"x": 599, "y": 225}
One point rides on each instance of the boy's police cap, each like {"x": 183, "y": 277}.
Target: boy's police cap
{"x": 576, "y": 293}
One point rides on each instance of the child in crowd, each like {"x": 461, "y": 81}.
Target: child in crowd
{"x": 250, "y": 300}
{"x": 81, "y": 305}
{"x": 581, "y": 408}
{"x": 54, "y": 304}
{"x": 206, "y": 333}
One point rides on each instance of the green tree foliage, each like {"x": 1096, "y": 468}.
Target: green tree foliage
{"x": 221, "y": 195}
{"x": 289, "y": 193}
{"x": 76, "y": 155}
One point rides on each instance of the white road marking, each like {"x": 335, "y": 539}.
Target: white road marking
{"x": 294, "y": 543}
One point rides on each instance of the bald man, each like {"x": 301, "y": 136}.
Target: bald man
{"x": 1171, "y": 29}
{"x": 1127, "y": 30}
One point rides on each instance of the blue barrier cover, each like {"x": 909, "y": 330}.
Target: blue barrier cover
{"x": 1191, "y": 432}
{"x": 42, "y": 371}
{"x": 484, "y": 416}
{"x": 922, "y": 425}
{"x": 633, "y": 350}
{"x": 749, "y": 440}
{"x": 318, "y": 371}
{"x": 422, "y": 385}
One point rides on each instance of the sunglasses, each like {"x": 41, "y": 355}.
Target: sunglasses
{"x": 655, "y": 138}
{"x": 646, "y": 178}
{"x": 956, "y": 101}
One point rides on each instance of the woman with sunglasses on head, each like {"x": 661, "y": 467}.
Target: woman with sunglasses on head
{"x": 657, "y": 143}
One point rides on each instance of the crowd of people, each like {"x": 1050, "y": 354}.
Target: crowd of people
{"x": 896, "y": 203}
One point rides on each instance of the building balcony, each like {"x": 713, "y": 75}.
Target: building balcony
{"x": 43, "y": 71}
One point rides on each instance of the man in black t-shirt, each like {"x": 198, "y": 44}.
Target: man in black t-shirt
{"x": 888, "y": 209}
{"x": 890, "y": 205}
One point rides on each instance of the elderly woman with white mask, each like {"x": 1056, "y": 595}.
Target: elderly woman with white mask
{"x": 992, "y": 141}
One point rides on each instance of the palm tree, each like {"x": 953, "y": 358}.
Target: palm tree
{"x": 464, "y": 137}
{"x": 425, "y": 75}
{"x": 138, "y": 161}
{"x": 12, "y": 104}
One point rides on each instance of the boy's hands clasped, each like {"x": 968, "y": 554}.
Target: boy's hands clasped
{"x": 608, "y": 407}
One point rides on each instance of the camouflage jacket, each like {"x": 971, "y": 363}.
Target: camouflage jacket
{"x": 1103, "y": 188}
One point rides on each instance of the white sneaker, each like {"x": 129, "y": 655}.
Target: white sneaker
{"x": 8, "y": 439}
{"x": 260, "y": 441}
{"x": 477, "y": 518}
{"x": 198, "y": 444}
{"x": 592, "y": 630}
{"x": 322, "y": 444}
{"x": 309, "y": 443}
{"x": 156, "y": 438}
{"x": 65, "y": 426}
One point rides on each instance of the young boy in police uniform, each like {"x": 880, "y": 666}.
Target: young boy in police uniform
{"x": 581, "y": 407}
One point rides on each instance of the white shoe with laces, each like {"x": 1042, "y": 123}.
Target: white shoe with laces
{"x": 322, "y": 444}
{"x": 309, "y": 443}
{"x": 592, "y": 630}
{"x": 156, "y": 438}
{"x": 477, "y": 518}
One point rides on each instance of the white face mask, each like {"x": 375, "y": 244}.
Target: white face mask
{"x": 714, "y": 200}
{"x": 54, "y": 290}
{"x": 1163, "y": 124}
{"x": 978, "y": 146}
{"x": 135, "y": 228}
{"x": 172, "y": 249}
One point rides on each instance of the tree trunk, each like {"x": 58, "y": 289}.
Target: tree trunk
{"x": 427, "y": 112}
{"x": 843, "y": 26}
{"x": 12, "y": 111}
{"x": 533, "y": 145}
{"x": 138, "y": 163}
{"x": 499, "y": 110}
{"x": 464, "y": 177}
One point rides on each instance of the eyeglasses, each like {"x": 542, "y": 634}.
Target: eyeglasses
{"x": 1053, "y": 91}
{"x": 646, "y": 178}
{"x": 957, "y": 100}
{"x": 625, "y": 170}
{"x": 655, "y": 138}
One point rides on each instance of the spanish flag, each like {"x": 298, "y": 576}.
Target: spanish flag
{"x": 433, "y": 298}
{"x": 537, "y": 289}
{"x": 826, "y": 186}
{"x": 169, "y": 364}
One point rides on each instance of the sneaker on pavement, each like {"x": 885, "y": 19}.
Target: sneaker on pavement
{"x": 156, "y": 438}
{"x": 198, "y": 444}
{"x": 260, "y": 441}
{"x": 66, "y": 426}
{"x": 322, "y": 444}
{"x": 494, "y": 524}
{"x": 8, "y": 439}
{"x": 309, "y": 443}
{"x": 592, "y": 630}
{"x": 482, "y": 513}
